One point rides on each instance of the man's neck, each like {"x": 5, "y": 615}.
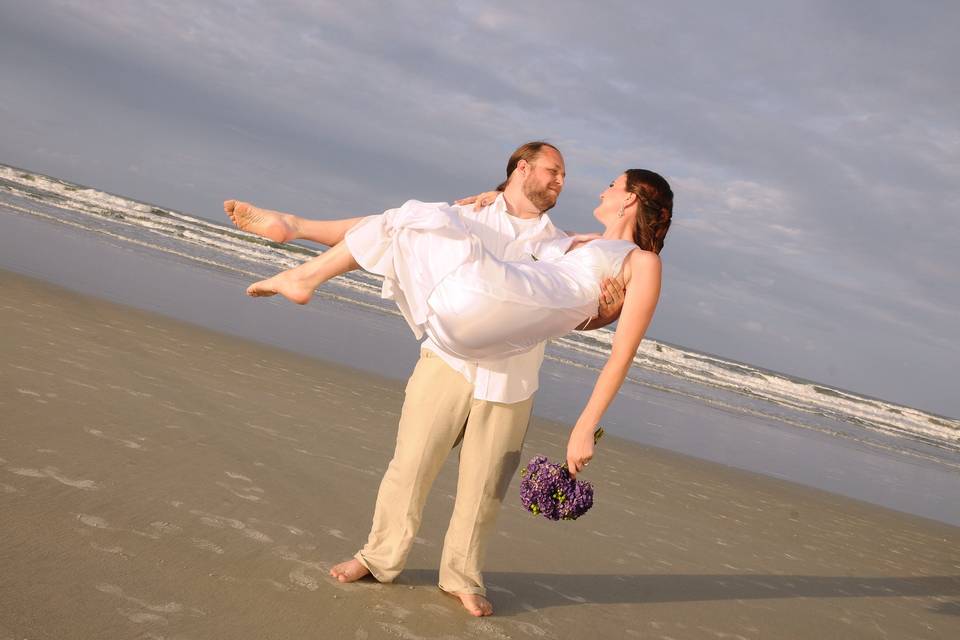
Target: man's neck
{"x": 519, "y": 206}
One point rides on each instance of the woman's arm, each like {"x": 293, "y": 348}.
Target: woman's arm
{"x": 642, "y": 273}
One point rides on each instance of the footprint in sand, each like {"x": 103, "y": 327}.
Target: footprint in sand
{"x": 159, "y": 527}
{"x": 54, "y": 474}
{"x": 200, "y": 543}
{"x": 140, "y": 617}
{"x": 306, "y": 574}
{"x": 114, "y": 590}
{"x": 129, "y": 444}
{"x": 163, "y": 527}
{"x": 289, "y": 528}
{"x": 219, "y": 522}
{"x": 529, "y": 628}
{"x": 145, "y": 612}
{"x": 301, "y": 576}
{"x": 93, "y": 521}
{"x": 249, "y": 494}
{"x": 488, "y": 629}
{"x": 117, "y": 551}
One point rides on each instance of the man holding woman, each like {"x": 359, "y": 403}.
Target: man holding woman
{"x": 484, "y": 406}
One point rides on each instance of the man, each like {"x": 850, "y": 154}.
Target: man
{"x": 484, "y": 406}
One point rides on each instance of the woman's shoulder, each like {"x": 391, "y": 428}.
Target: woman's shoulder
{"x": 640, "y": 256}
{"x": 641, "y": 261}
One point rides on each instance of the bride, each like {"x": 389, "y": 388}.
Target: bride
{"x": 477, "y": 306}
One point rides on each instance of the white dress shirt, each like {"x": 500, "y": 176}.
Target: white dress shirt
{"x": 515, "y": 378}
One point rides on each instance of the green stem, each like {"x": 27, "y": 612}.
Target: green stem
{"x": 598, "y": 434}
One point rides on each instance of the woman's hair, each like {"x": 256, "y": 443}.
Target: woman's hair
{"x": 529, "y": 152}
{"x": 654, "y": 207}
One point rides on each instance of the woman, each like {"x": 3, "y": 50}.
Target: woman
{"x": 477, "y": 306}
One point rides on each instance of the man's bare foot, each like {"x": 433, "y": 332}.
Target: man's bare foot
{"x": 349, "y": 571}
{"x": 286, "y": 284}
{"x": 475, "y": 604}
{"x": 279, "y": 227}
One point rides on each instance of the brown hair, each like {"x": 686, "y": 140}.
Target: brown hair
{"x": 528, "y": 152}
{"x": 654, "y": 207}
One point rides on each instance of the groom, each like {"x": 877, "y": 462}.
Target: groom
{"x": 483, "y": 406}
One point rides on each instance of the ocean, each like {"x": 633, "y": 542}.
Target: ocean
{"x": 691, "y": 402}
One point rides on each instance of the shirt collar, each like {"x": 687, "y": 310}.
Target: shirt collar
{"x": 544, "y": 224}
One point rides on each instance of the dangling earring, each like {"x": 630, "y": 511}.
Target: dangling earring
{"x": 620, "y": 213}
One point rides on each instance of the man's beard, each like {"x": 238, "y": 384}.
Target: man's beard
{"x": 543, "y": 198}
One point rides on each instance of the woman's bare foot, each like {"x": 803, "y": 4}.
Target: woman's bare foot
{"x": 279, "y": 227}
{"x": 349, "y": 571}
{"x": 475, "y": 604}
{"x": 286, "y": 283}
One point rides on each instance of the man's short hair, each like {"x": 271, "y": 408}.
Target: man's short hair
{"x": 527, "y": 151}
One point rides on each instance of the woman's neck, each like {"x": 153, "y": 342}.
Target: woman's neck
{"x": 621, "y": 229}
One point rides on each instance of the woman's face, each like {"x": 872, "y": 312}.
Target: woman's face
{"x": 611, "y": 199}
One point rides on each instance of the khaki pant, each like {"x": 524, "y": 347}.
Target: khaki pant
{"x": 438, "y": 412}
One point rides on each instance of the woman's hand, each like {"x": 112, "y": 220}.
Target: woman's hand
{"x": 480, "y": 200}
{"x": 580, "y": 447}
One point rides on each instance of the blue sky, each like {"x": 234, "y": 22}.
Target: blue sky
{"x": 814, "y": 147}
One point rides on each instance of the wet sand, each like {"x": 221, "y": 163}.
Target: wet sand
{"x": 158, "y": 480}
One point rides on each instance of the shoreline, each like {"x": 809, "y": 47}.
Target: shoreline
{"x": 161, "y": 477}
{"x": 883, "y": 472}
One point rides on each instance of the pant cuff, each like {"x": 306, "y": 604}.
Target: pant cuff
{"x": 477, "y": 591}
{"x": 376, "y": 573}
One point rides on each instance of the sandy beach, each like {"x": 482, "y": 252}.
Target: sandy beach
{"x": 160, "y": 480}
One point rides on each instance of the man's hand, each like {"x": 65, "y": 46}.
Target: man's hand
{"x": 612, "y": 292}
{"x": 480, "y": 200}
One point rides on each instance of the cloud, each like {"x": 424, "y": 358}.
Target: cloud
{"x": 815, "y": 153}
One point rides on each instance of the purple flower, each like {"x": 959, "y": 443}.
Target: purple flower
{"x": 548, "y": 490}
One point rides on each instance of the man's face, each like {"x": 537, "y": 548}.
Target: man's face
{"x": 544, "y": 180}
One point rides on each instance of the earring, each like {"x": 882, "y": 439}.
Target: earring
{"x": 620, "y": 213}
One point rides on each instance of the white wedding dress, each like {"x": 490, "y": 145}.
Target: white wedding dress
{"x": 474, "y": 305}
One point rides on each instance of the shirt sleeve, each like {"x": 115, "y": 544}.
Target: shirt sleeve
{"x": 553, "y": 249}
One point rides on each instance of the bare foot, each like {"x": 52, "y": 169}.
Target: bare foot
{"x": 279, "y": 227}
{"x": 349, "y": 571}
{"x": 475, "y": 604}
{"x": 286, "y": 284}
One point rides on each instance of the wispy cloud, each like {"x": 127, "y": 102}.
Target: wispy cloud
{"x": 815, "y": 155}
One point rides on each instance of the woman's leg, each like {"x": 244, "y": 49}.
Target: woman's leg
{"x": 284, "y": 227}
{"x": 298, "y": 284}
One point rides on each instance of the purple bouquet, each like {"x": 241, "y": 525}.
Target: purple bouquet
{"x": 548, "y": 490}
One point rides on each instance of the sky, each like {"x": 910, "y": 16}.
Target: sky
{"x": 813, "y": 147}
